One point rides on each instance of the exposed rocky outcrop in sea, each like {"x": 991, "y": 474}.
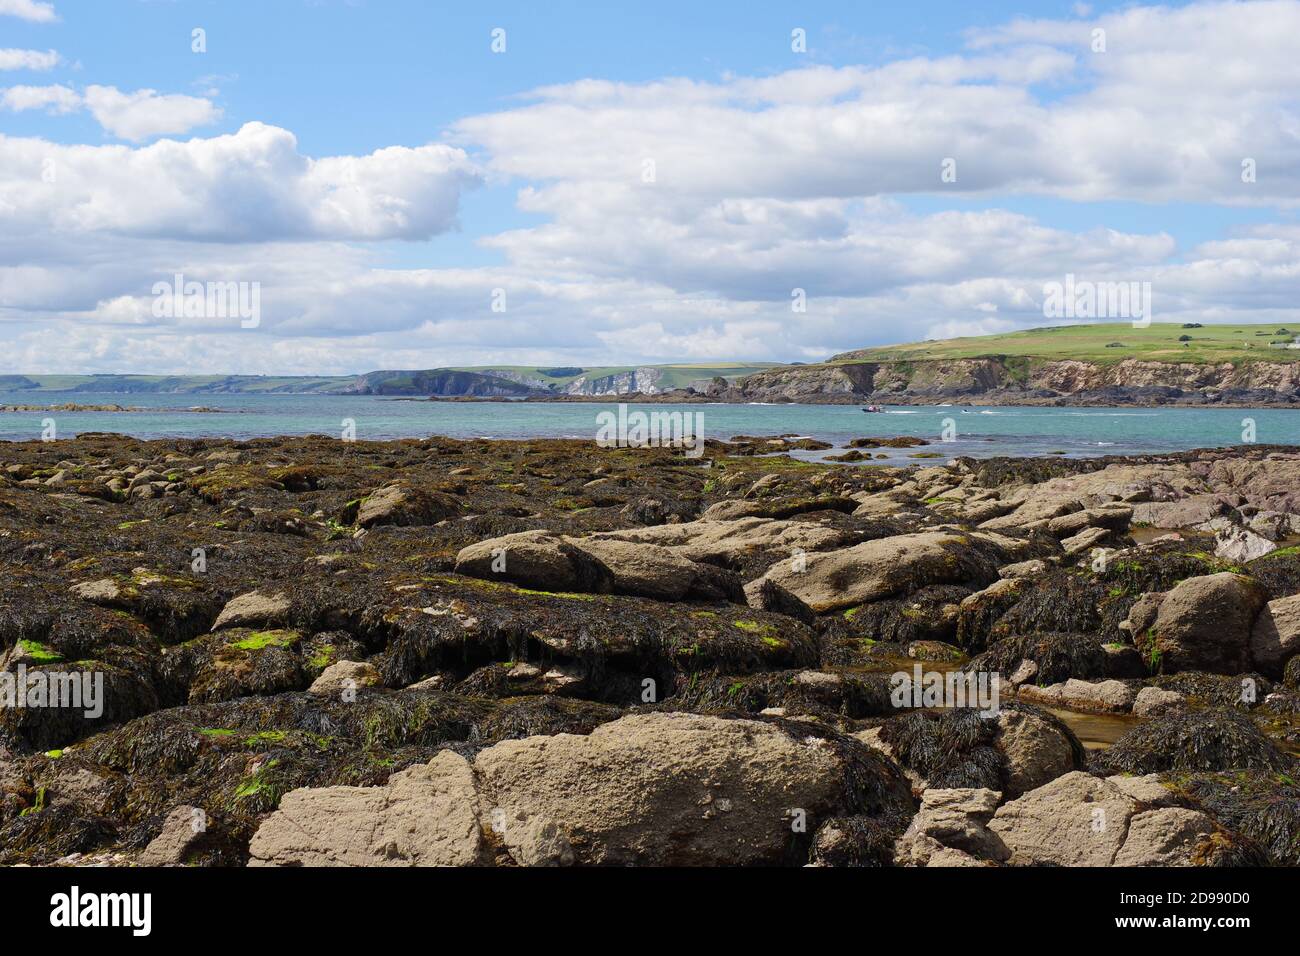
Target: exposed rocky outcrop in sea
{"x": 474, "y": 653}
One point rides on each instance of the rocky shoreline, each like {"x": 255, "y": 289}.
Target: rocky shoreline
{"x": 494, "y": 653}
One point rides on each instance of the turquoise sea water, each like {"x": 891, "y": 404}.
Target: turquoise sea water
{"x": 980, "y": 432}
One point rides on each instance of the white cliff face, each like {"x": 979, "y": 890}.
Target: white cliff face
{"x": 644, "y": 380}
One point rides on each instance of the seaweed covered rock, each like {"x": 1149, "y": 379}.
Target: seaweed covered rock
{"x": 926, "y": 615}
{"x": 1019, "y": 748}
{"x": 835, "y": 698}
{"x": 858, "y": 840}
{"x": 235, "y": 759}
{"x": 404, "y": 505}
{"x": 1056, "y": 657}
{"x": 236, "y": 662}
{"x": 1261, "y": 805}
{"x": 1196, "y": 740}
{"x": 951, "y": 749}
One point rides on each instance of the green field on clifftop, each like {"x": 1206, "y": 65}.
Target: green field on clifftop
{"x": 1103, "y": 344}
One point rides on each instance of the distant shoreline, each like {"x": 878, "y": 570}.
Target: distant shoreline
{"x": 118, "y": 409}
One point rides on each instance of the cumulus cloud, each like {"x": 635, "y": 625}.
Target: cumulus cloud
{"x": 1166, "y": 113}
{"x": 137, "y": 116}
{"x": 250, "y": 186}
{"x": 28, "y": 60}
{"x": 145, "y": 114}
{"x": 53, "y": 99}
{"x": 34, "y": 10}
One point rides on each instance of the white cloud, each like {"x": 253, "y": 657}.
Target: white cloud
{"x": 28, "y": 60}
{"x": 249, "y": 186}
{"x": 33, "y": 10}
{"x": 54, "y": 99}
{"x": 1166, "y": 113}
{"x": 145, "y": 114}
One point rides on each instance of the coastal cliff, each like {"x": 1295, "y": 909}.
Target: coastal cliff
{"x": 1016, "y": 380}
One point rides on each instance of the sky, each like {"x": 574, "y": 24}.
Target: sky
{"x": 413, "y": 184}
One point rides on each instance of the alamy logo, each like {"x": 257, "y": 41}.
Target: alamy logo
{"x": 73, "y": 909}
{"x": 72, "y": 690}
{"x": 640, "y": 429}
{"x": 179, "y": 299}
{"x": 954, "y": 689}
{"x": 1081, "y": 299}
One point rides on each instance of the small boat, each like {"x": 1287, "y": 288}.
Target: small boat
{"x": 874, "y": 409}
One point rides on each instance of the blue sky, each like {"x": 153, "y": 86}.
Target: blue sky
{"x": 901, "y": 85}
{"x": 352, "y": 76}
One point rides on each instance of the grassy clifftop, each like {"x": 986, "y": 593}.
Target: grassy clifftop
{"x": 1102, "y": 344}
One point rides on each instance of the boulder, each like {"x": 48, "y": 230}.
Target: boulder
{"x": 254, "y": 609}
{"x": 1147, "y": 790}
{"x": 1204, "y": 624}
{"x": 1114, "y": 517}
{"x": 662, "y": 789}
{"x": 105, "y": 592}
{"x": 1081, "y": 820}
{"x": 532, "y": 559}
{"x": 1036, "y": 510}
{"x": 345, "y": 675}
{"x": 427, "y": 815}
{"x": 1033, "y": 568}
{"x": 1076, "y": 820}
{"x": 1275, "y": 638}
{"x": 1183, "y": 513}
{"x": 1084, "y": 541}
{"x": 545, "y": 561}
{"x": 1036, "y": 750}
{"x": 1151, "y": 701}
{"x": 1241, "y": 545}
{"x": 1274, "y": 525}
{"x": 1143, "y": 613}
{"x": 879, "y": 569}
{"x": 648, "y": 570}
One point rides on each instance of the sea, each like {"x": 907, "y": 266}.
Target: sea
{"x": 953, "y": 430}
